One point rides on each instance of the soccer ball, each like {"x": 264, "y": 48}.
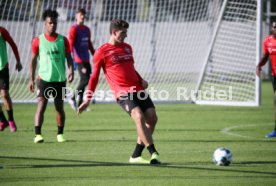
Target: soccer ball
{"x": 222, "y": 157}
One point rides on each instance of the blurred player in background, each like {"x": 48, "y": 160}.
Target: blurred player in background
{"x": 52, "y": 49}
{"x": 4, "y": 79}
{"x": 269, "y": 51}
{"x": 80, "y": 46}
{"x": 116, "y": 59}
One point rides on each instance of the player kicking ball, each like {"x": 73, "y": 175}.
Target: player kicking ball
{"x": 116, "y": 59}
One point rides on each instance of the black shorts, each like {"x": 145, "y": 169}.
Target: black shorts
{"x": 87, "y": 66}
{"x": 274, "y": 83}
{"x": 136, "y": 99}
{"x": 51, "y": 89}
{"x": 4, "y": 79}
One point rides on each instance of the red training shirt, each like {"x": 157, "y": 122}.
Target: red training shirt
{"x": 269, "y": 47}
{"x": 79, "y": 32}
{"x": 118, "y": 66}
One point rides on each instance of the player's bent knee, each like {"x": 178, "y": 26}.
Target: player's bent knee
{"x": 137, "y": 114}
{"x": 152, "y": 120}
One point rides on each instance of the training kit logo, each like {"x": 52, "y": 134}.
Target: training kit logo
{"x": 180, "y": 94}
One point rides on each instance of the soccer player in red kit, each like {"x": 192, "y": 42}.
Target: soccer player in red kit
{"x": 4, "y": 78}
{"x": 269, "y": 51}
{"x": 116, "y": 59}
{"x": 80, "y": 44}
{"x": 51, "y": 50}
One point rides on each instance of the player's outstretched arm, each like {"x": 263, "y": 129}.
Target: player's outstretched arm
{"x": 92, "y": 84}
{"x": 11, "y": 42}
{"x": 33, "y": 65}
{"x": 261, "y": 63}
{"x": 69, "y": 59}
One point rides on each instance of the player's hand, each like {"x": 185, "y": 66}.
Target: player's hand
{"x": 145, "y": 84}
{"x": 31, "y": 86}
{"x": 83, "y": 106}
{"x": 18, "y": 66}
{"x": 258, "y": 71}
{"x": 70, "y": 77}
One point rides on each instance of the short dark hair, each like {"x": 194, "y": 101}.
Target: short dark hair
{"x": 49, "y": 13}
{"x": 118, "y": 24}
{"x": 81, "y": 10}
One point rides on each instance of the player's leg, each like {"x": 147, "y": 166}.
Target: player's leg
{"x": 273, "y": 133}
{"x": 59, "y": 106}
{"x": 143, "y": 132}
{"x": 60, "y": 119}
{"x": 144, "y": 136}
{"x": 3, "y": 121}
{"x": 150, "y": 115}
{"x": 42, "y": 101}
{"x": 151, "y": 120}
{"x": 128, "y": 105}
{"x": 8, "y": 106}
{"x": 147, "y": 106}
{"x": 4, "y": 85}
{"x": 84, "y": 71}
{"x": 72, "y": 101}
{"x": 39, "y": 118}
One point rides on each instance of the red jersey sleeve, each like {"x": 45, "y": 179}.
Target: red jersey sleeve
{"x": 9, "y": 39}
{"x": 265, "y": 45}
{"x": 35, "y": 45}
{"x": 139, "y": 76}
{"x": 66, "y": 44}
{"x": 98, "y": 62}
{"x": 72, "y": 34}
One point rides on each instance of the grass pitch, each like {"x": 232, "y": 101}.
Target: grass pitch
{"x": 101, "y": 141}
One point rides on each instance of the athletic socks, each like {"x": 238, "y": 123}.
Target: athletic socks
{"x": 37, "y": 130}
{"x": 138, "y": 150}
{"x": 152, "y": 149}
{"x": 60, "y": 129}
{"x": 2, "y": 117}
{"x": 10, "y": 114}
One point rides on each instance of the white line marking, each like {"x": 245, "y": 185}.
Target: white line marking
{"x": 228, "y": 131}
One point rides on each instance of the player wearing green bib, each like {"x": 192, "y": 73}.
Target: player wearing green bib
{"x": 4, "y": 78}
{"x": 51, "y": 50}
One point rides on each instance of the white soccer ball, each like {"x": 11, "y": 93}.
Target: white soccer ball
{"x": 222, "y": 157}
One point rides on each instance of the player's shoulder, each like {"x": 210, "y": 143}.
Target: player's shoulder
{"x": 62, "y": 36}
{"x": 86, "y": 27}
{"x": 126, "y": 44}
{"x": 268, "y": 38}
{"x": 103, "y": 47}
{"x": 73, "y": 27}
{"x": 3, "y": 30}
{"x": 36, "y": 38}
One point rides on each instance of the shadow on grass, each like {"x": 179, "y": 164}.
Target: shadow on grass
{"x": 186, "y": 166}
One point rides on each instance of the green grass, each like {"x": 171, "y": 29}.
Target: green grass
{"x": 101, "y": 141}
